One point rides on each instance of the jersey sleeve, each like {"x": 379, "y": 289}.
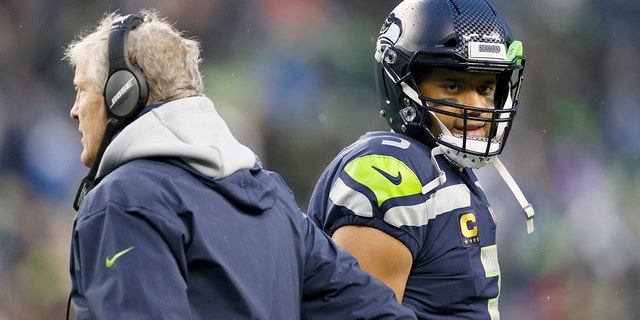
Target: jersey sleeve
{"x": 124, "y": 267}
{"x": 336, "y": 288}
{"x": 377, "y": 182}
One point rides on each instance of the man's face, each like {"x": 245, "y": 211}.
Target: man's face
{"x": 90, "y": 111}
{"x": 465, "y": 88}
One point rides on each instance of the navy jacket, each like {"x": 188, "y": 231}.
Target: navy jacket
{"x": 189, "y": 226}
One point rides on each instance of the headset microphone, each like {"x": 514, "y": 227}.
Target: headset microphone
{"x": 87, "y": 182}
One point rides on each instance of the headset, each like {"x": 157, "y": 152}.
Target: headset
{"x": 125, "y": 93}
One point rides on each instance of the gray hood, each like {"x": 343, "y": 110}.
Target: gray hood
{"x": 189, "y": 129}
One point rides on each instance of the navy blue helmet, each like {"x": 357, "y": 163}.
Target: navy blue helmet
{"x": 462, "y": 35}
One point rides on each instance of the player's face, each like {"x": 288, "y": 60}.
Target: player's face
{"x": 90, "y": 111}
{"x": 465, "y": 88}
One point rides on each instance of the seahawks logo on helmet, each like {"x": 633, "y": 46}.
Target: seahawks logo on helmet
{"x": 391, "y": 30}
{"x": 390, "y": 33}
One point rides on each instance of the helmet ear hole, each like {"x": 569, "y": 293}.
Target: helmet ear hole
{"x": 408, "y": 114}
{"x": 390, "y": 56}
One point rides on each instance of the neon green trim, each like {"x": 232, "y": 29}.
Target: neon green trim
{"x": 515, "y": 51}
{"x": 489, "y": 259}
{"x": 110, "y": 262}
{"x": 386, "y": 176}
{"x": 492, "y": 307}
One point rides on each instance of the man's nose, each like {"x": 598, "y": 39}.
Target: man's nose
{"x": 473, "y": 99}
{"x": 73, "y": 113}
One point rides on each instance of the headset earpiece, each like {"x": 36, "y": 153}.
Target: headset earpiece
{"x": 125, "y": 91}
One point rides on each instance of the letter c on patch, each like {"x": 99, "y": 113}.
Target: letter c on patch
{"x": 468, "y": 225}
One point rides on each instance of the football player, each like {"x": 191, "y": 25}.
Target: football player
{"x": 407, "y": 203}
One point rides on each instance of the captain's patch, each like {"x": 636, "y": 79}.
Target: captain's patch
{"x": 469, "y": 229}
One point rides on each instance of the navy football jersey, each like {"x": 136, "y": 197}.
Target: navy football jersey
{"x": 393, "y": 183}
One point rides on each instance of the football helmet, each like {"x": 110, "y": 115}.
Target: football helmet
{"x": 462, "y": 35}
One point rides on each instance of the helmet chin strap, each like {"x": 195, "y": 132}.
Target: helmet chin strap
{"x": 502, "y": 170}
{"x": 508, "y": 179}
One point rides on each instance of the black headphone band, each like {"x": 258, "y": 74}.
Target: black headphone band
{"x": 118, "y": 58}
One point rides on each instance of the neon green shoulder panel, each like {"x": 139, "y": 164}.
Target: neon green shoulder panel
{"x": 386, "y": 176}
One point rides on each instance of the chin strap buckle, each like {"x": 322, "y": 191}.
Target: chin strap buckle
{"x": 529, "y": 214}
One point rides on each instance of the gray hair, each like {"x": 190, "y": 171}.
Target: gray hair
{"x": 168, "y": 60}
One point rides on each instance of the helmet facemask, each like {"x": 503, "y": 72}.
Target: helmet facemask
{"x": 463, "y": 148}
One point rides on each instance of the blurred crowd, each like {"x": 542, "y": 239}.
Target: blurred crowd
{"x": 294, "y": 79}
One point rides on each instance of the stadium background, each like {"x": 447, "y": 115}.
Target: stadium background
{"x": 294, "y": 80}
